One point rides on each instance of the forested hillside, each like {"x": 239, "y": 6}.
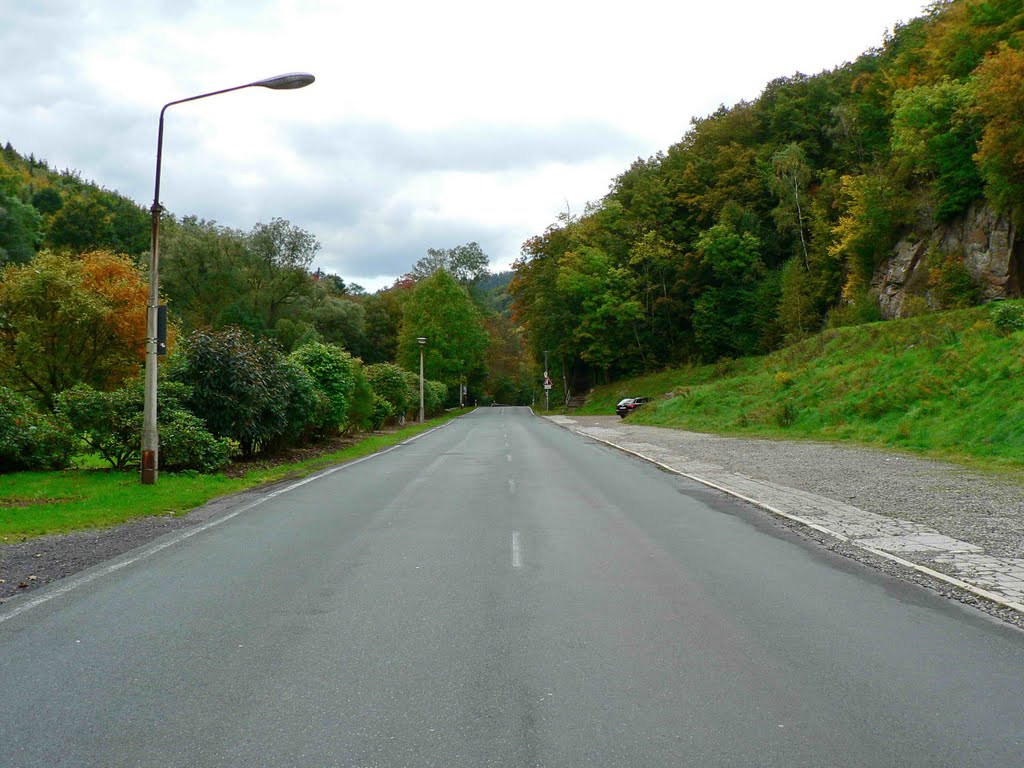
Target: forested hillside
{"x": 773, "y": 218}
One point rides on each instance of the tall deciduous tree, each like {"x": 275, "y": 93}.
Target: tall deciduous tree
{"x": 791, "y": 177}
{"x": 441, "y": 310}
{"x": 466, "y": 263}
{"x": 280, "y": 255}
{"x": 603, "y": 294}
{"x": 202, "y": 270}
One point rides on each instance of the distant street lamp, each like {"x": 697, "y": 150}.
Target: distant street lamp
{"x": 462, "y": 374}
{"x": 547, "y": 384}
{"x": 156, "y": 343}
{"x": 422, "y": 341}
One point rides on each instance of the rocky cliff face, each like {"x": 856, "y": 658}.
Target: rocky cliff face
{"x": 986, "y": 241}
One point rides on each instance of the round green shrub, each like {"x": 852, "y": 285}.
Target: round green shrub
{"x": 435, "y": 393}
{"x": 361, "y": 410}
{"x": 388, "y": 382}
{"x": 29, "y": 439}
{"x": 110, "y": 423}
{"x": 333, "y": 370}
{"x": 240, "y": 388}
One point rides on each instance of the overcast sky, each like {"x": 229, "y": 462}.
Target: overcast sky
{"x": 430, "y": 124}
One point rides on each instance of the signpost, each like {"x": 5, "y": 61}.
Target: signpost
{"x": 547, "y": 391}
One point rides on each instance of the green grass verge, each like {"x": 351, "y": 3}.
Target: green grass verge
{"x": 946, "y": 385}
{"x": 37, "y": 503}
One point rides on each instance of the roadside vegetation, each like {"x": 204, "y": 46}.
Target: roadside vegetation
{"x": 38, "y": 503}
{"x": 947, "y": 384}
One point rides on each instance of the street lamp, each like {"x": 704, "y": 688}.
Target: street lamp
{"x": 547, "y": 384}
{"x": 422, "y": 341}
{"x": 462, "y": 376}
{"x": 155, "y": 343}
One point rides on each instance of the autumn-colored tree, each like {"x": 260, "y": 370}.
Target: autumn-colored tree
{"x": 875, "y": 206}
{"x": 65, "y": 321}
{"x": 999, "y": 94}
{"x": 508, "y": 375}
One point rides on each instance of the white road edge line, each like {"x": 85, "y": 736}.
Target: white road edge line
{"x": 74, "y": 582}
{"x": 517, "y": 552}
{"x": 967, "y": 586}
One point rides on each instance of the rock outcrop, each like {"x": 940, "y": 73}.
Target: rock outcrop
{"x": 986, "y": 242}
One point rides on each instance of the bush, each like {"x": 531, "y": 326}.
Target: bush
{"x": 953, "y": 284}
{"x": 383, "y": 411}
{"x": 111, "y": 424}
{"x": 915, "y": 305}
{"x": 1008, "y": 317}
{"x": 306, "y": 410}
{"x": 31, "y": 440}
{"x": 333, "y": 371}
{"x": 863, "y": 308}
{"x": 241, "y": 389}
{"x": 412, "y": 385}
{"x": 186, "y": 444}
{"x": 435, "y": 393}
{"x": 361, "y": 411}
{"x": 388, "y": 382}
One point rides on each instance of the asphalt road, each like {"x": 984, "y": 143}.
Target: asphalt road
{"x": 503, "y": 593}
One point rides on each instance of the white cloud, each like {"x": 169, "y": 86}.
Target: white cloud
{"x": 430, "y": 124}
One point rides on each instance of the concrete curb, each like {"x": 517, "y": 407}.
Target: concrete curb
{"x": 953, "y": 581}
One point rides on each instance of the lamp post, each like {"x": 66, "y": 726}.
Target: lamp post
{"x": 154, "y": 345}
{"x": 422, "y": 341}
{"x": 547, "y": 384}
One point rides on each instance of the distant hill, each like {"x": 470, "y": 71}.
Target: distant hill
{"x": 492, "y": 292}
{"x": 42, "y": 207}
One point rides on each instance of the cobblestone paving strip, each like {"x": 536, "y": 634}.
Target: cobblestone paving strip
{"x": 992, "y": 575}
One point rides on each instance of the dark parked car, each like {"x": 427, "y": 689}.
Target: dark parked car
{"x": 630, "y": 404}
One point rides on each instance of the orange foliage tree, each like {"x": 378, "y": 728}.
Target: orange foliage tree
{"x": 999, "y": 95}
{"x": 66, "y": 320}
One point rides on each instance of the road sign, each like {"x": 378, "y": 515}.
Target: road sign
{"x": 547, "y": 383}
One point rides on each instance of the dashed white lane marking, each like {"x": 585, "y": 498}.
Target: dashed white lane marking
{"x": 517, "y": 551}
{"x": 512, "y": 487}
{"x": 508, "y": 457}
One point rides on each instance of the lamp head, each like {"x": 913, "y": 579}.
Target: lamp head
{"x": 286, "y": 82}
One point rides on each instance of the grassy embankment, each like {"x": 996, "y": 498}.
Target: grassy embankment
{"x": 36, "y": 503}
{"x": 946, "y": 385}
